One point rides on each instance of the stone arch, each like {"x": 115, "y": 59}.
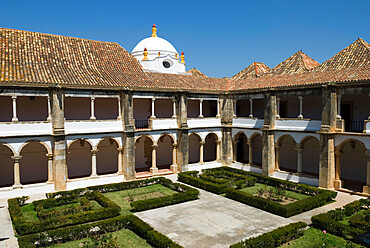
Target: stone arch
{"x": 353, "y": 164}
{"x": 6, "y": 165}
{"x": 210, "y": 147}
{"x": 288, "y": 153}
{"x": 194, "y": 148}
{"x": 256, "y": 142}
{"x": 48, "y": 149}
{"x": 167, "y": 134}
{"x": 242, "y": 148}
{"x": 143, "y": 152}
{"x": 79, "y": 158}
{"x": 33, "y": 166}
{"x": 107, "y": 137}
{"x": 107, "y": 156}
{"x": 310, "y": 155}
{"x": 237, "y": 135}
{"x": 165, "y": 151}
{"x": 85, "y": 140}
{"x": 146, "y": 135}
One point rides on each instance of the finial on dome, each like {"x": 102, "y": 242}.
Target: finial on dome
{"x": 145, "y": 53}
{"x": 176, "y": 55}
{"x": 159, "y": 54}
{"x": 182, "y": 58}
{"x": 154, "y": 31}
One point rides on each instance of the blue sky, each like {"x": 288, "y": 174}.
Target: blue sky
{"x": 219, "y": 38}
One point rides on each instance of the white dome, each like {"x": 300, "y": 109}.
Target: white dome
{"x": 154, "y": 44}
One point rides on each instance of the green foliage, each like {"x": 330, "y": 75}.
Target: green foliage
{"x": 101, "y": 241}
{"x": 361, "y": 220}
{"x": 274, "y": 238}
{"x": 22, "y": 200}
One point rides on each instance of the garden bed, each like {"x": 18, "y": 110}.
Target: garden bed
{"x": 277, "y": 196}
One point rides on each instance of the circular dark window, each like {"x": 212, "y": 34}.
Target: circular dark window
{"x": 166, "y": 64}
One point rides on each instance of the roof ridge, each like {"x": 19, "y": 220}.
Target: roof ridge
{"x": 364, "y": 43}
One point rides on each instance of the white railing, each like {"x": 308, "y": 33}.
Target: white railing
{"x": 248, "y": 122}
{"x": 93, "y": 126}
{"x": 298, "y": 125}
{"x": 204, "y": 122}
{"x": 25, "y": 128}
{"x": 164, "y": 123}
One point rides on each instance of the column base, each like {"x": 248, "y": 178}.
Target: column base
{"x": 201, "y": 162}
{"x": 173, "y": 168}
{"x": 366, "y": 189}
{"x": 337, "y": 184}
{"x": 93, "y": 118}
{"x": 154, "y": 170}
{"x": 17, "y": 186}
{"x": 50, "y": 182}
{"x": 15, "y": 120}
{"x": 93, "y": 176}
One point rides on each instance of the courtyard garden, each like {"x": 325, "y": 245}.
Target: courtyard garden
{"x": 98, "y": 216}
{"x": 277, "y": 196}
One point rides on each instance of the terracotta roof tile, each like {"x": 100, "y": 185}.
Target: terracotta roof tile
{"x": 256, "y": 69}
{"x": 196, "y": 72}
{"x": 355, "y": 55}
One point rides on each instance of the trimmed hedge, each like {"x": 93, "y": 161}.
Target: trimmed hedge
{"x": 109, "y": 209}
{"x": 274, "y": 238}
{"x": 67, "y": 234}
{"x": 190, "y": 177}
{"x": 330, "y": 221}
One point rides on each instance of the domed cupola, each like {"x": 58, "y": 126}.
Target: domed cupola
{"x": 158, "y": 55}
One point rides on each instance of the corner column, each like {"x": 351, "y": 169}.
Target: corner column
{"x": 268, "y": 143}
{"x": 128, "y": 135}
{"x": 182, "y": 151}
{"x": 17, "y": 179}
{"x": 227, "y": 112}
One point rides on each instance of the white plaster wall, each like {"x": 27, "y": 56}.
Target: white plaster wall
{"x": 6, "y": 167}
{"x": 106, "y": 108}
{"x": 365, "y": 139}
{"x": 193, "y": 108}
{"x": 33, "y": 164}
{"x": 77, "y": 108}
{"x": 311, "y": 156}
{"x": 6, "y": 109}
{"x": 288, "y": 154}
{"x": 72, "y": 127}
{"x": 164, "y": 123}
{"x": 79, "y": 160}
{"x": 142, "y": 108}
{"x": 204, "y": 122}
{"x": 297, "y": 136}
{"x": 353, "y": 162}
{"x": 107, "y": 157}
{"x": 163, "y": 108}
{"x": 32, "y": 110}
{"x": 15, "y": 129}
{"x": 367, "y": 127}
{"x": 298, "y": 125}
{"x": 247, "y": 132}
{"x": 164, "y": 152}
{"x": 194, "y": 147}
{"x": 248, "y": 122}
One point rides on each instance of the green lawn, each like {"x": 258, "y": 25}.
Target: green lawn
{"x": 313, "y": 238}
{"x": 291, "y": 194}
{"x": 62, "y": 206}
{"x": 137, "y": 194}
{"x": 29, "y": 213}
{"x": 125, "y": 239}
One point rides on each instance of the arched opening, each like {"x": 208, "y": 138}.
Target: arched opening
{"x": 6, "y": 166}
{"x": 257, "y": 149}
{"x": 34, "y": 163}
{"x": 79, "y": 159}
{"x": 164, "y": 152}
{"x": 311, "y": 156}
{"x": 288, "y": 154}
{"x": 143, "y": 154}
{"x": 210, "y": 147}
{"x": 107, "y": 157}
{"x": 194, "y": 148}
{"x": 242, "y": 149}
{"x": 353, "y": 165}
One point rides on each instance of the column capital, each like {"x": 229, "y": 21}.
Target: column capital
{"x": 14, "y": 97}
{"x": 218, "y": 141}
{"x": 94, "y": 151}
{"x": 298, "y": 147}
{"x": 202, "y": 143}
{"x": 92, "y": 98}
{"x": 174, "y": 145}
{"x": 16, "y": 158}
{"x": 120, "y": 149}
{"x": 50, "y": 156}
{"x": 154, "y": 146}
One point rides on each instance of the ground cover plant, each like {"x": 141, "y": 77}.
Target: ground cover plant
{"x": 348, "y": 222}
{"x": 277, "y": 196}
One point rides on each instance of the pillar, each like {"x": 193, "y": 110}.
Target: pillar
{"x": 218, "y": 150}
{"x": 17, "y": 179}
{"x": 299, "y": 157}
{"x": 120, "y": 160}
{"x": 14, "y": 101}
{"x": 182, "y": 151}
{"x": 235, "y": 151}
{"x": 337, "y": 180}
{"x": 218, "y": 108}
{"x": 154, "y": 169}
{"x": 93, "y": 163}
{"x": 234, "y": 108}
{"x": 119, "y": 117}
{"x": 277, "y": 107}
{"x": 277, "y": 157}
{"x": 92, "y": 101}
{"x": 250, "y": 152}
{"x": 49, "y": 108}
{"x": 50, "y": 168}
{"x": 173, "y": 166}
{"x": 338, "y": 106}
{"x": 366, "y": 188}
{"x": 153, "y": 108}
{"x": 174, "y": 108}
{"x": 201, "y": 151}
{"x": 300, "y": 116}
{"x": 227, "y": 112}
{"x": 201, "y": 109}
{"x": 268, "y": 143}
{"x": 250, "y": 108}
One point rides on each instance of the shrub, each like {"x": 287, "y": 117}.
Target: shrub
{"x": 361, "y": 220}
{"x": 191, "y": 177}
{"x": 274, "y": 238}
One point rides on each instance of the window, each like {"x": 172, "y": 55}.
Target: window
{"x": 166, "y": 64}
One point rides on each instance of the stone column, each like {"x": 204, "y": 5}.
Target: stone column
{"x": 300, "y": 116}
{"x": 338, "y": 181}
{"x": 366, "y": 188}
{"x": 154, "y": 169}
{"x": 218, "y": 150}
{"x": 182, "y": 152}
{"x": 338, "y": 107}
{"x": 250, "y": 152}
{"x": 120, "y": 160}
{"x": 277, "y": 157}
{"x": 153, "y": 108}
{"x": 14, "y": 101}
{"x": 235, "y": 150}
{"x": 234, "y": 108}
{"x": 201, "y": 150}
{"x": 93, "y": 163}
{"x": 50, "y": 168}
{"x": 49, "y": 108}
{"x": 268, "y": 143}
{"x": 174, "y": 108}
{"x": 17, "y": 178}
{"x": 119, "y": 117}
{"x": 277, "y": 108}
{"x": 251, "y": 108}
{"x": 218, "y": 108}
{"x": 226, "y": 128}
{"x": 92, "y": 117}
{"x": 173, "y": 166}
{"x": 201, "y": 109}
{"x": 299, "y": 157}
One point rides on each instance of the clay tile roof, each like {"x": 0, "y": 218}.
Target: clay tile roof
{"x": 297, "y": 63}
{"x": 30, "y": 57}
{"x": 355, "y": 55}
{"x": 196, "y": 72}
{"x": 255, "y": 69}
